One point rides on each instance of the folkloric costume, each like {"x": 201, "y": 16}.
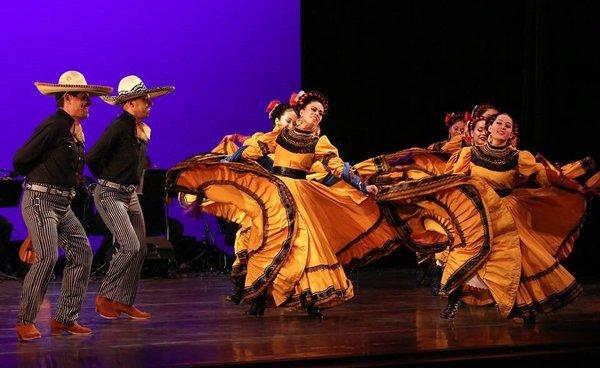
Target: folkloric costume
{"x": 51, "y": 160}
{"x": 117, "y": 160}
{"x": 301, "y": 232}
{"x": 504, "y": 224}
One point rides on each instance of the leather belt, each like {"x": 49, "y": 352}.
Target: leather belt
{"x": 129, "y": 189}
{"x": 45, "y": 188}
{"x": 289, "y": 172}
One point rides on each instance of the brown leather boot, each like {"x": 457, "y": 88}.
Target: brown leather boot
{"x": 26, "y": 332}
{"x": 58, "y": 328}
{"x": 106, "y": 308}
{"x": 131, "y": 311}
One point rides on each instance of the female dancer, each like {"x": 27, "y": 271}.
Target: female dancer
{"x": 495, "y": 213}
{"x": 456, "y": 123}
{"x": 301, "y": 231}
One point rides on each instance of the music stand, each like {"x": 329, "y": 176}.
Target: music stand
{"x": 10, "y": 192}
{"x": 153, "y": 202}
{"x": 10, "y": 196}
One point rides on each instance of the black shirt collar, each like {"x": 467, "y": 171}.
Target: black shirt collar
{"x": 65, "y": 115}
{"x": 127, "y": 117}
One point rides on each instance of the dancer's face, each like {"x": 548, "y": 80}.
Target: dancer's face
{"x": 311, "y": 115}
{"x": 140, "y": 107}
{"x": 489, "y": 112}
{"x": 458, "y": 128}
{"x": 287, "y": 119}
{"x": 479, "y": 133}
{"x": 501, "y": 130}
{"x": 78, "y": 105}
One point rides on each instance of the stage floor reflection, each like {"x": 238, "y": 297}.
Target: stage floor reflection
{"x": 391, "y": 321}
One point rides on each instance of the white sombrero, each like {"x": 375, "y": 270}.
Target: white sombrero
{"x": 72, "y": 81}
{"x": 132, "y": 87}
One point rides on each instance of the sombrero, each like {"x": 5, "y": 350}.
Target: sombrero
{"x": 132, "y": 87}
{"x": 72, "y": 81}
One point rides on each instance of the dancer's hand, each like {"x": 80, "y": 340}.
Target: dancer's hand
{"x": 372, "y": 189}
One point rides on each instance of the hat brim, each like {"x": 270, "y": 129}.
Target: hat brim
{"x": 52, "y": 88}
{"x": 152, "y": 93}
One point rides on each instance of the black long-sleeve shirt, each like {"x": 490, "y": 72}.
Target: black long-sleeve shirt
{"x": 118, "y": 156}
{"x": 51, "y": 155}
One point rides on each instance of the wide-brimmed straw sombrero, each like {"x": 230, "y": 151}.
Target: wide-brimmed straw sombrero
{"x": 72, "y": 81}
{"x": 132, "y": 87}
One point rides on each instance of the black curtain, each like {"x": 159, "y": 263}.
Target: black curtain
{"x": 392, "y": 69}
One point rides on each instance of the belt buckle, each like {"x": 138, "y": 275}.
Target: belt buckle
{"x": 130, "y": 189}
{"x": 62, "y": 193}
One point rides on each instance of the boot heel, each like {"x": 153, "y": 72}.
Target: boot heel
{"x": 27, "y": 332}
{"x": 449, "y": 312}
{"x": 257, "y": 308}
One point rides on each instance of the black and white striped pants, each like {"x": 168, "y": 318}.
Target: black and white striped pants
{"x": 123, "y": 216}
{"x": 51, "y": 222}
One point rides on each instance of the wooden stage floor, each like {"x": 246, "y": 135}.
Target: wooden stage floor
{"x": 390, "y": 322}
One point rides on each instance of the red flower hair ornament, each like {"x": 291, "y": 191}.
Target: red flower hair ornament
{"x": 295, "y": 98}
{"x": 271, "y": 107}
{"x": 467, "y": 116}
{"x": 447, "y": 118}
{"x": 452, "y": 117}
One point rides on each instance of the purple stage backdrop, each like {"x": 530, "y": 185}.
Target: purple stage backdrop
{"x": 226, "y": 59}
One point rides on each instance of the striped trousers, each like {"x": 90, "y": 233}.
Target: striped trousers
{"x": 51, "y": 223}
{"x": 123, "y": 216}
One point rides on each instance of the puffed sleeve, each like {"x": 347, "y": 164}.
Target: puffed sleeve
{"x": 369, "y": 167}
{"x": 459, "y": 162}
{"x": 530, "y": 169}
{"x": 453, "y": 145}
{"x": 260, "y": 145}
{"x": 328, "y": 154}
{"x": 225, "y": 147}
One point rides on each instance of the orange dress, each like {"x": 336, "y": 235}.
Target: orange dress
{"x": 318, "y": 172}
{"x": 408, "y": 164}
{"x": 300, "y": 233}
{"x": 230, "y": 212}
{"x": 505, "y": 239}
{"x": 547, "y": 220}
{"x": 411, "y": 164}
{"x": 416, "y": 163}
